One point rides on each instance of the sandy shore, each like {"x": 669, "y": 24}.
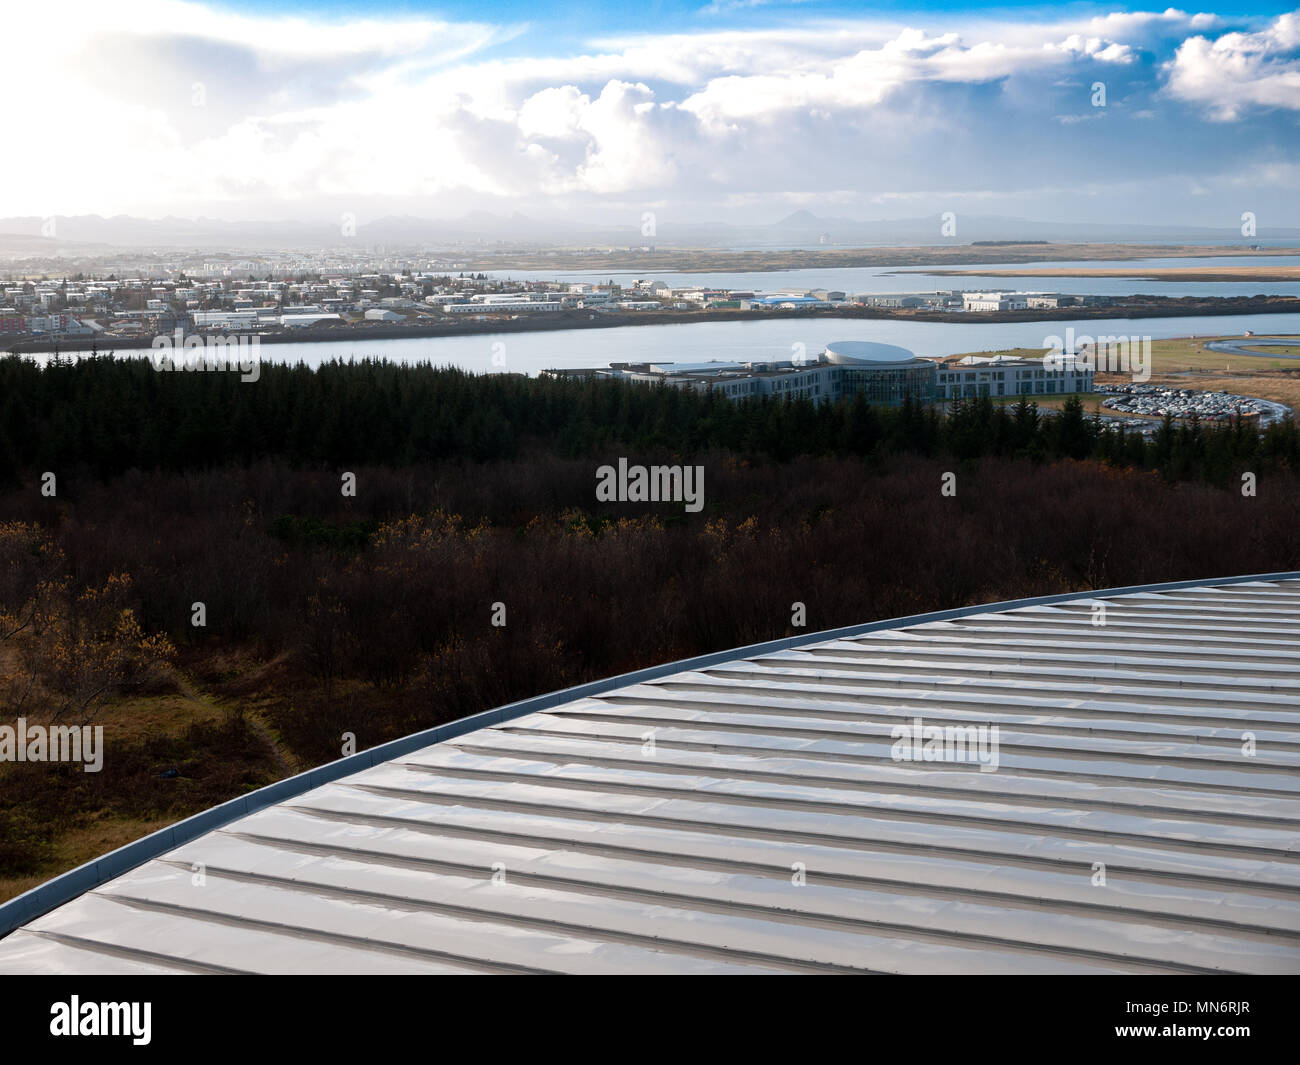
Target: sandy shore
{"x": 687, "y": 260}
{"x": 1158, "y": 273}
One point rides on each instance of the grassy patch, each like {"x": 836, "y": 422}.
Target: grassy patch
{"x": 164, "y": 759}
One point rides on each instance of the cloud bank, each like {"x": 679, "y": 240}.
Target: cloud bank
{"x": 187, "y": 109}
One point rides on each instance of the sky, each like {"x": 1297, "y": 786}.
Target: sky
{"x": 716, "y": 110}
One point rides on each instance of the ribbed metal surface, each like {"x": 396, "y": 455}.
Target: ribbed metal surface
{"x": 767, "y": 827}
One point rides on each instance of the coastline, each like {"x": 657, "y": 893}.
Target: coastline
{"x": 1209, "y": 274}
{"x": 1150, "y": 307}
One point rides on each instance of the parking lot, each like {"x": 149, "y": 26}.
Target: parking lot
{"x": 1155, "y": 401}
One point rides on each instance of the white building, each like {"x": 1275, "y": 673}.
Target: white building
{"x": 58, "y": 324}
{"x": 1009, "y": 376}
{"x": 502, "y": 306}
{"x": 994, "y": 301}
{"x": 299, "y": 321}
{"x": 883, "y": 373}
{"x": 225, "y": 319}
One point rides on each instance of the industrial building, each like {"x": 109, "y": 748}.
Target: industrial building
{"x": 912, "y": 300}
{"x": 1084, "y": 801}
{"x": 1046, "y": 301}
{"x": 514, "y": 302}
{"x": 247, "y": 320}
{"x": 226, "y": 319}
{"x": 995, "y": 301}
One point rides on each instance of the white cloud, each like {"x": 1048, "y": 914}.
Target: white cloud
{"x": 199, "y": 109}
{"x": 1240, "y": 71}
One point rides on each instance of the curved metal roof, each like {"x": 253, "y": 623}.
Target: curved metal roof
{"x": 748, "y": 814}
{"x": 870, "y": 353}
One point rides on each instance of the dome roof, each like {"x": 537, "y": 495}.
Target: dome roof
{"x": 849, "y": 351}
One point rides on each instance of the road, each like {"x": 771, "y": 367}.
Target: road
{"x": 1239, "y": 347}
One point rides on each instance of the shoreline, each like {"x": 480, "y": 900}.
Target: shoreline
{"x": 1218, "y": 275}
{"x": 1154, "y": 307}
{"x": 704, "y": 260}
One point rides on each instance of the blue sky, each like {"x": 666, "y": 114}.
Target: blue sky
{"x": 572, "y": 22}
{"x": 566, "y": 26}
{"x": 651, "y": 13}
{"x": 695, "y": 111}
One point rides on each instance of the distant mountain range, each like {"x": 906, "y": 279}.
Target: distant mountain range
{"x": 95, "y": 235}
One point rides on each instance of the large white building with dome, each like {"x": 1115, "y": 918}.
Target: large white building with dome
{"x": 884, "y": 373}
